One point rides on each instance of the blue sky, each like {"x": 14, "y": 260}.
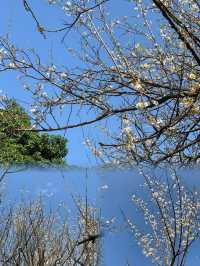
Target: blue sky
{"x": 56, "y": 187}
{"x": 22, "y": 31}
{"x": 21, "y": 28}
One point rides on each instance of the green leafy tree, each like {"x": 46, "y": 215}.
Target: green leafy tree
{"x": 18, "y": 147}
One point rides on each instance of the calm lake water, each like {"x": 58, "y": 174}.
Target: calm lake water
{"x": 109, "y": 190}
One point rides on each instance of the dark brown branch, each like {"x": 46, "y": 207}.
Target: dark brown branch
{"x": 166, "y": 14}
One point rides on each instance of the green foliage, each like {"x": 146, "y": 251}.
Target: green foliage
{"x": 29, "y": 148}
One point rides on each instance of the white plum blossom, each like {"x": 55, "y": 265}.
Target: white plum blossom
{"x": 34, "y": 110}
{"x": 120, "y": 68}
{"x": 142, "y": 105}
{"x": 44, "y": 94}
{"x": 138, "y": 86}
{"x": 2, "y": 54}
{"x": 171, "y": 217}
{"x": 12, "y": 65}
{"x": 51, "y": 69}
{"x": 63, "y": 75}
{"x": 192, "y": 76}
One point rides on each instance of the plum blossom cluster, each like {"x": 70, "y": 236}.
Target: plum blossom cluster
{"x": 35, "y": 236}
{"x": 2, "y": 54}
{"x": 154, "y": 81}
{"x": 96, "y": 152}
{"x": 143, "y": 64}
{"x": 171, "y": 220}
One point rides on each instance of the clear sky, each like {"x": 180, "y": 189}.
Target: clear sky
{"x": 18, "y": 23}
{"x": 22, "y": 31}
{"x": 15, "y": 21}
{"x": 56, "y": 187}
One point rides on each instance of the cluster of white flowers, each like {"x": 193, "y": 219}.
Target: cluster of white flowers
{"x": 51, "y": 69}
{"x": 63, "y": 75}
{"x": 142, "y": 105}
{"x": 93, "y": 148}
{"x": 157, "y": 122}
{"x": 67, "y": 6}
{"x": 44, "y": 94}
{"x": 129, "y": 138}
{"x": 145, "y": 66}
{"x": 173, "y": 218}
{"x": 34, "y": 111}
{"x": 12, "y": 65}
{"x": 138, "y": 86}
{"x": 192, "y": 76}
{"x": 188, "y": 102}
{"x": 3, "y": 97}
{"x": 2, "y": 54}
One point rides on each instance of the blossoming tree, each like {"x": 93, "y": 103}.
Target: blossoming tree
{"x": 172, "y": 220}
{"x": 140, "y": 70}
